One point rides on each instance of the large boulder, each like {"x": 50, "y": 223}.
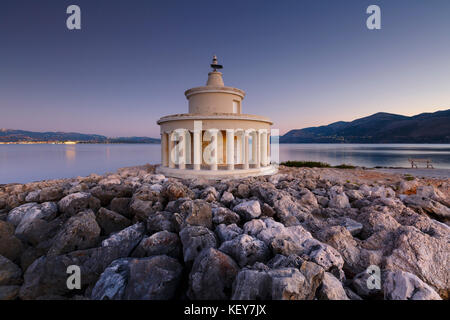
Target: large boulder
{"x": 174, "y": 190}
{"x": 425, "y": 256}
{"x": 34, "y": 222}
{"x": 53, "y": 193}
{"x": 400, "y": 285}
{"x": 126, "y": 239}
{"x": 248, "y": 210}
{"x": 331, "y": 288}
{"x": 278, "y": 284}
{"x": 10, "y": 246}
{"x": 227, "y": 232}
{"x": 246, "y": 250}
{"x": 113, "y": 281}
{"x": 164, "y": 221}
{"x": 110, "y": 221}
{"x": 153, "y": 278}
{"x": 74, "y": 203}
{"x": 212, "y": 276}
{"x": 121, "y": 206}
{"x": 194, "y": 240}
{"x": 428, "y": 205}
{"x": 223, "y": 215}
{"x": 79, "y": 232}
{"x": 47, "y": 276}
{"x": 197, "y": 212}
{"x": 160, "y": 243}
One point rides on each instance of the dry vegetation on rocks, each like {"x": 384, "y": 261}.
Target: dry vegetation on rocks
{"x": 304, "y": 233}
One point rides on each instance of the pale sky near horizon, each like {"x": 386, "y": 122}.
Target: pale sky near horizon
{"x": 302, "y": 63}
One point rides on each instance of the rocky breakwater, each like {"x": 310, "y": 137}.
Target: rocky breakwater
{"x": 300, "y": 234}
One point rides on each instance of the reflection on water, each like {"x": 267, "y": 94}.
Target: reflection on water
{"x": 25, "y": 163}
{"x": 71, "y": 152}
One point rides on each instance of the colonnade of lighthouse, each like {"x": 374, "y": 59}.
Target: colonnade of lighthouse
{"x": 215, "y": 149}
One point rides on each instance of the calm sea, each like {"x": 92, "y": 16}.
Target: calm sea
{"x": 26, "y": 163}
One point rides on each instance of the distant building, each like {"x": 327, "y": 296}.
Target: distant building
{"x": 215, "y": 139}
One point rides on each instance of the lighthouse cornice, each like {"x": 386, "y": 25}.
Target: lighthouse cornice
{"x": 210, "y": 89}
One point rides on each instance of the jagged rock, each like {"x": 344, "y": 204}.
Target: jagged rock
{"x": 400, "y": 285}
{"x": 254, "y": 227}
{"x": 324, "y": 255}
{"x": 127, "y": 239}
{"x": 279, "y": 284}
{"x": 331, "y": 288}
{"x": 154, "y": 178}
{"x": 110, "y": 221}
{"x": 54, "y": 193}
{"x": 9, "y": 292}
{"x": 112, "y": 282}
{"x": 227, "y": 232}
{"x": 198, "y": 213}
{"x": 267, "y": 211}
{"x": 164, "y": 221}
{"x": 243, "y": 190}
{"x": 121, "y": 206}
{"x": 34, "y": 221}
{"x": 48, "y": 274}
{"x": 33, "y": 196}
{"x": 212, "y": 276}
{"x": 175, "y": 190}
{"x": 248, "y": 209}
{"x": 10, "y": 246}
{"x": 314, "y": 275}
{"x": 227, "y": 198}
{"x": 429, "y": 205}
{"x": 79, "y": 232}
{"x": 105, "y": 193}
{"x": 309, "y": 199}
{"x": 194, "y": 240}
{"x": 153, "y": 278}
{"x": 360, "y": 285}
{"x": 223, "y": 215}
{"x": 142, "y": 209}
{"x": 74, "y": 203}
{"x": 246, "y": 250}
{"x": 338, "y": 200}
{"x": 422, "y": 255}
{"x": 280, "y": 261}
{"x": 209, "y": 194}
{"x": 434, "y": 194}
{"x": 10, "y": 274}
{"x": 352, "y": 226}
{"x": 160, "y": 243}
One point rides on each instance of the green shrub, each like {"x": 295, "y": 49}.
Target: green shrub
{"x": 308, "y": 164}
{"x": 344, "y": 166}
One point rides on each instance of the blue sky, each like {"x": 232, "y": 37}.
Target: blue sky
{"x": 302, "y": 63}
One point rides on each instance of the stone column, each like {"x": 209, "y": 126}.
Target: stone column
{"x": 264, "y": 148}
{"x": 246, "y": 146}
{"x": 197, "y": 149}
{"x": 230, "y": 149}
{"x": 257, "y": 149}
{"x": 181, "y": 150}
{"x": 164, "y": 151}
{"x": 171, "y": 150}
{"x": 214, "y": 153}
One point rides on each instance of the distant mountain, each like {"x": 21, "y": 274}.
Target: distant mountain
{"x": 379, "y": 128}
{"x": 7, "y": 135}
